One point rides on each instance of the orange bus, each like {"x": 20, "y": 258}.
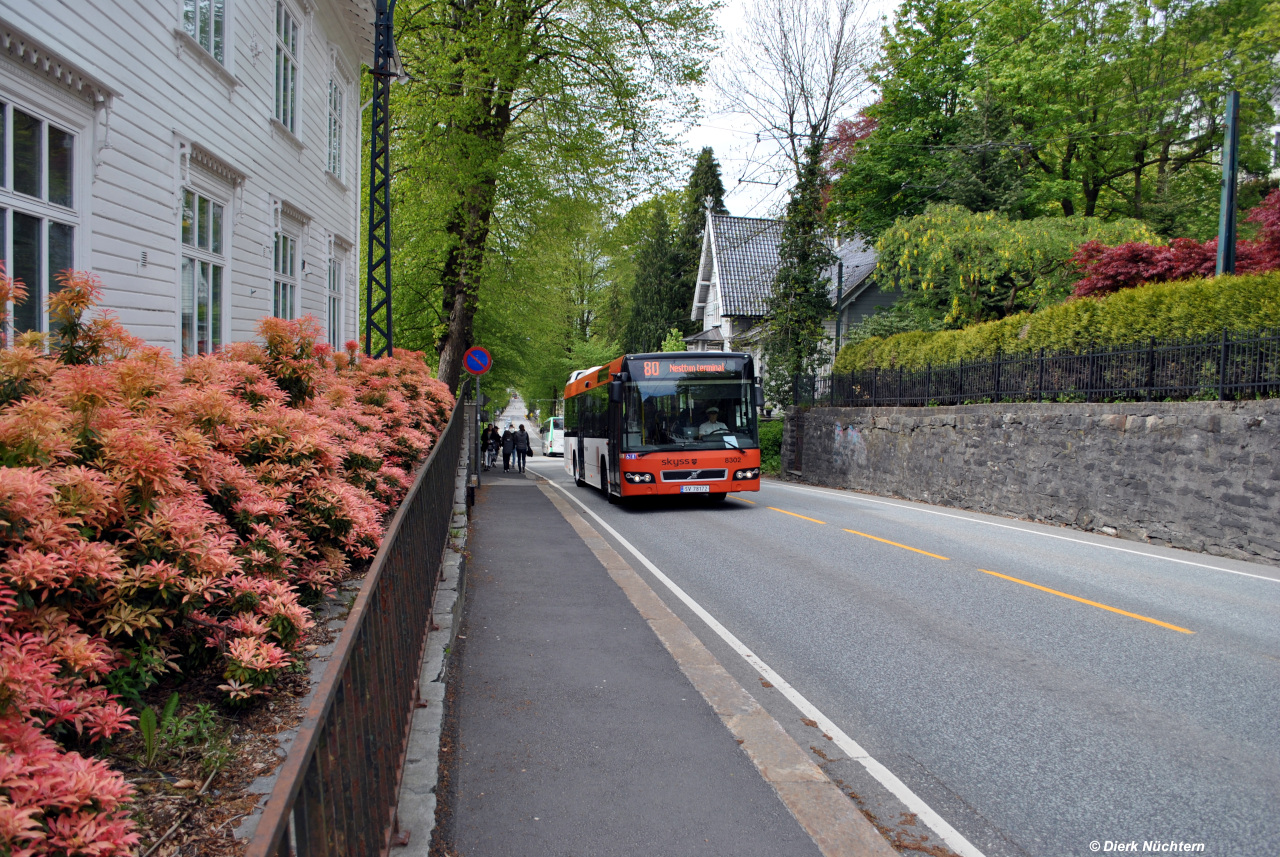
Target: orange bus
{"x": 671, "y": 423}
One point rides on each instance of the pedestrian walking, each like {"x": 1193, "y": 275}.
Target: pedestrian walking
{"x": 508, "y": 447}
{"x": 490, "y": 446}
{"x": 522, "y": 447}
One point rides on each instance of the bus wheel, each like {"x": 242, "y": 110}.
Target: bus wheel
{"x": 577, "y": 473}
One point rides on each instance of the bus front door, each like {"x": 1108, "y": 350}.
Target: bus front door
{"x": 614, "y": 441}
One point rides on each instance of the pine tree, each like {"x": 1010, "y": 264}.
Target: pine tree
{"x": 655, "y": 290}
{"x": 801, "y": 301}
{"x": 704, "y": 184}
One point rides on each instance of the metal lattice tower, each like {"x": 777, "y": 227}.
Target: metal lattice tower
{"x": 377, "y": 316}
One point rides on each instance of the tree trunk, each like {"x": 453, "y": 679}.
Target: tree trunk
{"x": 468, "y": 227}
{"x": 1068, "y": 207}
{"x": 1139, "y": 162}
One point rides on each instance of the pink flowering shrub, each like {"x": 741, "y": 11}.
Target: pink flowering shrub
{"x": 159, "y": 517}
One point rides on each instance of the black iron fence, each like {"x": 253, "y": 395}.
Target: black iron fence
{"x": 336, "y": 792}
{"x": 1230, "y": 366}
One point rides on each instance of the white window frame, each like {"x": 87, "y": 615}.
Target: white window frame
{"x": 206, "y": 40}
{"x": 286, "y": 261}
{"x": 289, "y": 46}
{"x": 15, "y": 96}
{"x": 337, "y": 149}
{"x": 214, "y": 258}
{"x": 336, "y": 281}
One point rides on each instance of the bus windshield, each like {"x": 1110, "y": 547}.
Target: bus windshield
{"x": 689, "y": 410}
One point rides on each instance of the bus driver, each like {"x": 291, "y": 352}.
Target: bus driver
{"x": 713, "y": 424}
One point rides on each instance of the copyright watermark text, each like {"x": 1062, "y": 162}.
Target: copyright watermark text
{"x": 1145, "y": 846}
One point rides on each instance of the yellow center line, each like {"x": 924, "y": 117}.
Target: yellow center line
{"x": 743, "y": 499}
{"x": 1090, "y": 603}
{"x": 794, "y": 515}
{"x": 896, "y": 545}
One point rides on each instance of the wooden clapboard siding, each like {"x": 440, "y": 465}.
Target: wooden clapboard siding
{"x": 166, "y": 93}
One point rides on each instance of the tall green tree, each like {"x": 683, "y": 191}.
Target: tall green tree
{"x": 655, "y": 294}
{"x": 704, "y": 191}
{"x": 795, "y": 342}
{"x": 923, "y": 77}
{"x": 1036, "y": 107}
{"x": 514, "y": 101}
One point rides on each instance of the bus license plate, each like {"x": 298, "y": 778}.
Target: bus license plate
{"x": 695, "y": 489}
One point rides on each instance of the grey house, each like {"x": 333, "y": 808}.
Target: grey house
{"x": 735, "y": 278}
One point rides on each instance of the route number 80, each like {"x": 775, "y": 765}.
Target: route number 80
{"x": 650, "y": 368}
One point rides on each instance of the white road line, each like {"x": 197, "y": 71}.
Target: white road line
{"x": 845, "y": 495}
{"x": 913, "y": 802}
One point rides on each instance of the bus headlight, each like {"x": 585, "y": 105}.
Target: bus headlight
{"x": 638, "y": 477}
{"x": 749, "y": 473}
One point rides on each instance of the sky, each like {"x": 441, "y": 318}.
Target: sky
{"x": 733, "y": 137}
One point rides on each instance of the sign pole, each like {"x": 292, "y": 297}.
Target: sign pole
{"x": 1227, "y": 210}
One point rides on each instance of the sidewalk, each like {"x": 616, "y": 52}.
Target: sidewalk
{"x": 579, "y": 733}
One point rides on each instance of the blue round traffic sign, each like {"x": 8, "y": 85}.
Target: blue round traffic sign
{"x": 477, "y": 360}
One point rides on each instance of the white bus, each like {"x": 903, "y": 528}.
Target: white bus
{"x": 553, "y": 436}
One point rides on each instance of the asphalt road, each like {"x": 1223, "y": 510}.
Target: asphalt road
{"x": 1039, "y": 688}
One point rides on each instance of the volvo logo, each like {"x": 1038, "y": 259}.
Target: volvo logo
{"x": 693, "y": 474}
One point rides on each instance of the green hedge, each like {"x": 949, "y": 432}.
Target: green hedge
{"x": 1186, "y": 309}
{"x": 771, "y": 445}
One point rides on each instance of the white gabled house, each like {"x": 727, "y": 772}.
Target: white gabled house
{"x": 735, "y": 278}
{"x": 201, "y": 157}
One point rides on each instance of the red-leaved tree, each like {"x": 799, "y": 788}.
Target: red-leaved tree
{"x": 1110, "y": 269}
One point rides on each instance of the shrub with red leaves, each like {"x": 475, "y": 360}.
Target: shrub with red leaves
{"x": 1110, "y": 269}
{"x": 159, "y": 517}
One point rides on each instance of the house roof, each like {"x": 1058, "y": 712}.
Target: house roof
{"x": 743, "y": 251}
{"x": 746, "y": 255}
{"x": 859, "y": 259}
{"x": 710, "y": 335}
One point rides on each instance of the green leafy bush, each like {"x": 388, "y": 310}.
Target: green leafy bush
{"x": 771, "y": 446}
{"x": 1190, "y": 308}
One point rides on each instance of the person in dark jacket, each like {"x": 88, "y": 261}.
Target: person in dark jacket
{"x": 522, "y": 447}
{"x": 508, "y": 447}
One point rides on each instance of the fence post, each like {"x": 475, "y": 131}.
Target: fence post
{"x": 928, "y": 382}
{"x": 1040, "y": 376}
{"x": 1092, "y": 367}
{"x": 1222, "y": 368}
{"x": 898, "y": 398}
{"x": 1151, "y": 367}
{"x": 999, "y": 365}
{"x": 875, "y": 384}
{"x": 960, "y": 383}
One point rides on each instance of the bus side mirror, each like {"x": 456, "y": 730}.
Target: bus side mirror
{"x": 758, "y": 392}
{"x": 615, "y": 391}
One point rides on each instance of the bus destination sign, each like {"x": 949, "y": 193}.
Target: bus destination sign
{"x": 660, "y": 368}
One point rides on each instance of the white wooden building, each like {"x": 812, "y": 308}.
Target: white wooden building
{"x": 200, "y": 156}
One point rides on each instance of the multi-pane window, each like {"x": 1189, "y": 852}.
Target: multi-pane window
{"x": 335, "y": 128}
{"x": 206, "y": 22}
{"x": 203, "y": 264}
{"x": 335, "y": 302}
{"x": 286, "y": 68}
{"x": 286, "y": 280}
{"x": 38, "y": 218}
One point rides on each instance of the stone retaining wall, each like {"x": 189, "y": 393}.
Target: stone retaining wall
{"x": 1197, "y": 475}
